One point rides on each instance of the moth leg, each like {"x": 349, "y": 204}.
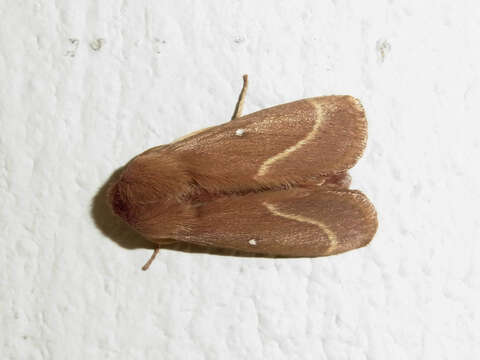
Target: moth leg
{"x": 159, "y": 242}
{"x": 241, "y": 99}
{"x": 149, "y": 262}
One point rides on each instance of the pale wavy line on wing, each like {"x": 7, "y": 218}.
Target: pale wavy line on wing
{"x": 332, "y": 238}
{"x": 310, "y": 136}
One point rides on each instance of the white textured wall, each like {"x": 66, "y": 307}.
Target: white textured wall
{"x": 73, "y": 109}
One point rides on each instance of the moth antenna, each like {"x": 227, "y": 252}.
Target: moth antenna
{"x": 241, "y": 99}
{"x": 149, "y": 262}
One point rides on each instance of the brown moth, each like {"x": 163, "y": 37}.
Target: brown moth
{"x": 272, "y": 182}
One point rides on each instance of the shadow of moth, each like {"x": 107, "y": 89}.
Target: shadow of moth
{"x": 272, "y": 182}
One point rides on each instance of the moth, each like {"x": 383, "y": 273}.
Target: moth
{"x": 273, "y": 182}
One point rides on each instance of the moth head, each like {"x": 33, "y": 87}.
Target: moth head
{"x": 146, "y": 181}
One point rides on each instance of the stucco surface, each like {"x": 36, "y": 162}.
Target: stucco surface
{"x": 87, "y": 85}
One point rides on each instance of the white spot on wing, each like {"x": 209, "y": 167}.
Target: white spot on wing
{"x": 252, "y": 242}
{"x": 240, "y": 132}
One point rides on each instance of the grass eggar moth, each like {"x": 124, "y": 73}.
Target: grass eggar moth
{"x": 272, "y": 182}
